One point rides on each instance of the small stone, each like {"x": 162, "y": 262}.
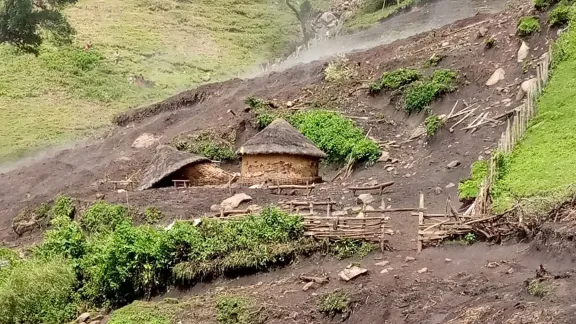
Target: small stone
{"x": 390, "y": 169}
{"x": 482, "y": 31}
{"x": 498, "y": 75}
{"x": 523, "y": 52}
{"x": 351, "y": 273}
{"x": 492, "y": 265}
{"x": 384, "y": 157}
{"x": 99, "y": 196}
{"x": 423, "y": 270}
{"x": 234, "y": 201}
{"x": 121, "y": 190}
{"x": 444, "y": 44}
{"x": 507, "y": 100}
{"x": 407, "y": 175}
{"x": 289, "y": 104}
{"x": 340, "y": 213}
{"x": 437, "y": 190}
{"x": 409, "y": 259}
{"x": 83, "y": 317}
{"x": 382, "y": 263}
{"x": 453, "y": 164}
{"x": 365, "y": 198}
{"x": 215, "y": 208}
{"x": 447, "y": 260}
{"x": 510, "y": 271}
{"x": 450, "y": 185}
{"x": 368, "y": 207}
{"x": 308, "y": 286}
{"x": 384, "y": 271}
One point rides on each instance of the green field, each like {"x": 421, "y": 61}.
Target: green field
{"x": 370, "y": 15}
{"x": 544, "y": 162}
{"x": 66, "y": 93}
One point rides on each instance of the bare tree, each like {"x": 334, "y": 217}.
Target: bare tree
{"x": 304, "y": 15}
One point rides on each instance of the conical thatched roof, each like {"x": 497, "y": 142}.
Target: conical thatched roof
{"x": 280, "y": 138}
{"x": 166, "y": 161}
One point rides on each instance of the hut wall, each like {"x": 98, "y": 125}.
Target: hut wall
{"x": 279, "y": 168}
{"x": 201, "y": 174}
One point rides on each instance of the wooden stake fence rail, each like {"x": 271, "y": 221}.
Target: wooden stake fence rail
{"x": 516, "y": 125}
{"x": 380, "y": 187}
{"x": 279, "y": 188}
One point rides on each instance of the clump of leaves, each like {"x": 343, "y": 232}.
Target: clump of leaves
{"x": 334, "y": 303}
{"x": 470, "y": 238}
{"x": 264, "y": 116}
{"x": 560, "y": 15}
{"x": 152, "y": 215}
{"x": 219, "y": 147}
{"x": 489, "y": 43}
{"x": 433, "y": 124}
{"x": 347, "y": 248}
{"x": 395, "y": 79}
{"x": 104, "y": 217}
{"x": 469, "y": 188}
{"x": 421, "y": 93}
{"x": 336, "y": 135}
{"x": 339, "y": 70}
{"x": 537, "y": 288}
{"x": 528, "y": 25}
{"x": 542, "y": 4}
{"x": 434, "y": 60}
{"x": 233, "y": 310}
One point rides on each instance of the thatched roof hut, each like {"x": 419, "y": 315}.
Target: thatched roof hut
{"x": 280, "y": 138}
{"x": 170, "y": 164}
{"x": 280, "y": 154}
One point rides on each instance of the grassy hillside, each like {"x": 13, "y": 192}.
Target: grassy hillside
{"x": 544, "y": 162}
{"x": 373, "y": 13}
{"x": 66, "y": 93}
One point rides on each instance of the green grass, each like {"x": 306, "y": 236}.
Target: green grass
{"x": 528, "y": 25}
{"x": 176, "y": 44}
{"x": 364, "y": 20}
{"x": 334, "y": 303}
{"x": 468, "y": 189}
{"x": 543, "y": 162}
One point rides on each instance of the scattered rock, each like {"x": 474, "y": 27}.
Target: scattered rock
{"x": 447, "y": 260}
{"x": 83, "y": 317}
{"x": 215, "y": 208}
{"x": 368, "y": 207}
{"x": 510, "y": 271}
{"x": 99, "y": 196}
{"x": 437, "y": 190}
{"x": 528, "y": 84}
{"x": 121, "y": 190}
{"x": 409, "y": 259}
{"x": 385, "y": 157}
{"x": 196, "y": 221}
{"x": 340, "y": 213}
{"x": 328, "y": 17}
{"x": 444, "y": 44}
{"x": 382, "y": 263}
{"x": 389, "y": 231}
{"x": 308, "y": 286}
{"x": 234, "y": 201}
{"x": 384, "y": 271}
{"x": 144, "y": 140}
{"x": 493, "y": 265}
{"x": 351, "y": 273}
{"x": 365, "y": 198}
{"x": 390, "y": 169}
{"x": 507, "y": 100}
{"x": 254, "y": 208}
{"x": 498, "y": 75}
{"x": 523, "y": 52}
{"x": 423, "y": 270}
{"x": 256, "y": 186}
{"x": 289, "y": 104}
{"x": 482, "y": 31}
{"x": 453, "y": 164}
{"x": 371, "y": 183}
{"x": 450, "y": 185}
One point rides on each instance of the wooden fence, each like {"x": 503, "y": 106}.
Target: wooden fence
{"x": 516, "y": 126}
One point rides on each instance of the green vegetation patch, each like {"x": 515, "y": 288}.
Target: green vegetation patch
{"x": 528, "y": 25}
{"x": 560, "y": 15}
{"x": 433, "y": 123}
{"x": 542, "y": 4}
{"x": 339, "y": 70}
{"x": 347, "y": 248}
{"x": 214, "y": 145}
{"x": 152, "y": 215}
{"x": 146, "y": 312}
{"x": 374, "y": 12}
{"x": 543, "y": 161}
{"x": 233, "y": 310}
{"x": 393, "y": 80}
{"x": 421, "y": 94}
{"x": 468, "y": 189}
{"x": 538, "y": 288}
{"x": 434, "y": 60}
{"x": 335, "y": 303}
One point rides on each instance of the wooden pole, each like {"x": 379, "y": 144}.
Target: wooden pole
{"x": 420, "y": 220}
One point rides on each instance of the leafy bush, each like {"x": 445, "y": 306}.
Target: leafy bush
{"x": 38, "y": 291}
{"x": 528, "y": 25}
{"x": 433, "y": 124}
{"x": 209, "y": 144}
{"x": 336, "y": 135}
{"x": 542, "y": 4}
{"x": 421, "y": 93}
{"x": 469, "y": 188}
{"x": 538, "y": 288}
{"x": 339, "y": 70}
{"x": 63, "y": 207}
{"x": 434, "y": 60}
{"x": 152, "y": 215}
{"x": 334, "y": 303}
{"x": 264, "y": 116}
{"x": 347, "y": 248}
{"x": 233, "y": 310}
{"x": 103, "y": 217}
{"x": 395, "y": 79}
{"x": 560, "y": 15}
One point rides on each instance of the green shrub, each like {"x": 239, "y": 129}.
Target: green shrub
{"x": 334, "y": 303}
{"x": 421, "y": 93}
{"x": 560, "y": 15}
{"x": 542, "y": 4}
{"x": 63, "y": 207}
{"x": 264, "y": 116}
{"x": 339, "y": 70}
{"x": 38, "y": 291}
{"x": 444, "y": 80}
{"x": 152, "y": 215}
{"x": 395, "y": 79}
{"x": 209, "y": 144}
{"x": 65, "y": 238}
{"x": 469, "y": 188}
{"x": 103, "y": 217}
{"x": 347, "y": 248}
{"x": 528, "y": 25}
{"x": 538, "y": 288}
{"x": 434, "y": 60}
{"x": 433, "y": 124}
{"x": 336, "y": 135}
{"x": 233, "y": 310}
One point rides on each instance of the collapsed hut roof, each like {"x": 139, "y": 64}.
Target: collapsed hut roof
{"x": 280, "y": 138}
{"x": 166, "y": 161}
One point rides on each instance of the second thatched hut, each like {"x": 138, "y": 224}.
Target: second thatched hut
{"x": 279, "y": 154}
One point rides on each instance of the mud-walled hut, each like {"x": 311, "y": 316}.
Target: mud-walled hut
{"x": 279, "y": 154}
{"x": 169, "y": 164}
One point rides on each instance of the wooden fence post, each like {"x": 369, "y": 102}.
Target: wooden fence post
{"x": 420, "y": 221}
